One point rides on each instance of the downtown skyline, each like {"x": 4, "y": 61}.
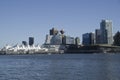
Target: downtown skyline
{"x": 33, "y": 18}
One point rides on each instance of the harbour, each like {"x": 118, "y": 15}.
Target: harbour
{"x": 59, "y": 40}
{"x": 56, "y": 42}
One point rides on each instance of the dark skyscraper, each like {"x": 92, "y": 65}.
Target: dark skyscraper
{"x": 53, "y": 31}
{"x": 77, "y": 40}
{"x": 31, "y": 41}
{"x": 92, "y": 38}
{"x": 98, "y": 36}
{"x": 24, "y": 43}
{"x": 88, "y": 39}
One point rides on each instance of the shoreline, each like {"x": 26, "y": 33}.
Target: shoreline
{"x": 70, "y": 49}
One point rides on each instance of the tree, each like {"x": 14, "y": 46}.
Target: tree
{"x": 117, "y": 39}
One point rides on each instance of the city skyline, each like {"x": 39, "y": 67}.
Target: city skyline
{"x": 33, "y": 18}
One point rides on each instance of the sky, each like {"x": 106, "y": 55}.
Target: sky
{"x": 20, "y": 19}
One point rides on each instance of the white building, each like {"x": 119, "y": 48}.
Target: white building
{"x": 22, "y": 49}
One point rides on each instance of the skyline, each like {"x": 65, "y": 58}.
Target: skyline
{"x": 33, "y": 18}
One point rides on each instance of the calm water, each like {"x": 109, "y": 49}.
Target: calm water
{"x": 60, "y": 67}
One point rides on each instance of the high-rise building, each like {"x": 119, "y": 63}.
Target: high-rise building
{"x": 77, "y": 40}
{"x": 24, "y": 43}
{"x": 62, "y": 34}
{"x": 97, "y": 36}
{"x": 85, "y": 38}
{"x": 88, "y": 39}
{"x": 92, "y": 38}
{"x": 53, "y": 39}
{"x": 48, "y": 39}
{"x": 56, "y": 40}
{"x": 31, "y": 41}
{"x": 53, "y": 31}
{"x": 106, "y": 32}
{"x": 67, "y": 40}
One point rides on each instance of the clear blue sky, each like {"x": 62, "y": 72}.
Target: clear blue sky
{"x": 20, "y": 19}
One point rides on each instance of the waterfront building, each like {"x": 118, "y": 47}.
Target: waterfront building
{"x": 62, "y": 34}
{"x": 22, "y": 49}
{"x": 77, "y": 40}
{"x": 24, "y": 43}
{"x": 53, "y": 39}
{"x": 31, "y": 41}
{"x": 88, "y": 39}
{"x": 97, "y": 36}
{"x": 67, "y": 40}
{"x": 48, "y": 39}
{"x": 56, "y": 39}
{"x": 92, "y": 38}
{"x": 106, "y": 32}
{"x": 53, "y": 31}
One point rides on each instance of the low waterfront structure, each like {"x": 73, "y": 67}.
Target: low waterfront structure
{"x": 93, "y": 49}
{"x": 34, "y": 49}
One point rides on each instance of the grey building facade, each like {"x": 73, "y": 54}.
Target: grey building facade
{"x": 88, "y": 39}
{"x": 97, "y": 36}
{"x": 67, "y": 40}
{"x": 106, "y": 32}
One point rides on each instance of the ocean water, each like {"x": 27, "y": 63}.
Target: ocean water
{"x": 60, "y": 67}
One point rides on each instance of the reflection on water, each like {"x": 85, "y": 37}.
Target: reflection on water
{"x": 60, "y": 67}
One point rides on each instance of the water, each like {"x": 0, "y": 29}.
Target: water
{"x": 60, "y": 67}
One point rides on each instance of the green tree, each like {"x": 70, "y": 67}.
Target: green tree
{"x": 117, "y": 39}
